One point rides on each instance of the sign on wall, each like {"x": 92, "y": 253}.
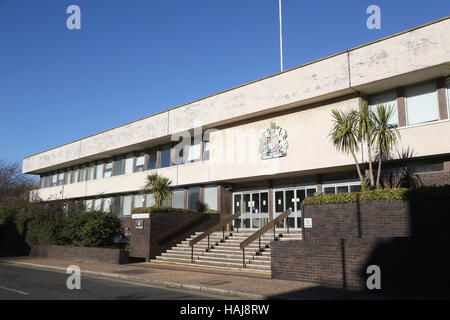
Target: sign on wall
{"x": 273, "y": 142}
{"x": 307, "y": 222}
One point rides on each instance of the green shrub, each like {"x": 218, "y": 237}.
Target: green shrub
{"x": 59, "y": 224}
{"x": 98, "y": 229}
{"x": 160, "y": 209}
{"x": 440, "y": 192}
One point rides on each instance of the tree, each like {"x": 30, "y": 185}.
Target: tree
{"x": 344, "y": 135}
{"x": 365, "y": 124}
{"x": 159, "y": 186}
{"x": 14, "y": 184}
{"x": 384, "y": 136}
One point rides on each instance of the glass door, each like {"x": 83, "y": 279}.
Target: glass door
{"x": 291, "y": 198}
{"x": 254, "y": 209}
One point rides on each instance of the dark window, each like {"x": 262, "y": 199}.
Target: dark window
{"x": 193, "y": 198}
{"x": 117, "y": 167}
{"x": 165, "y": 156}
{"x": 151, "y": 162}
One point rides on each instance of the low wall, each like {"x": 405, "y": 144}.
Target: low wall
{"x": 408, "y": 265}
{"x": 408, "y": 240}
{"x": 142, "y": 241}
{"x": 82, "y": 254}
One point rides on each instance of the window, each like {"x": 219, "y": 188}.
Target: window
{"x": 178, "y": 154}
{"x": 82, "y": 173}
{"x": 75, "y": 175}
{"x": 343, "y": 187}
{"x": 387, "y": 98}
{"x": 42, "y": 184}
{"x": 47, "y": 181}
{"x": 138, "y": 201}
{"x": 108, "y": 169}
{"x": 91, "y": 170}
{"x": 165, "y": 156}
{"x": 115, "y": 208}
{"x": 194, "y": 151}
{"x": 54, "y": 179}
{"x": 106, "y": 204}
{"x": 193, "y": 198}
{"x": 88, "y": 205}
{"x": 448, "y": 99}
{"x": 118, "y": 167}
{"x": 98, "y": 204}
{"x": 129, "y": 163}
{"x": 178, "y": 198}
{"x": 210, "y": 197}
{"x": 99, "y": 172}
{"x": 149, "y": 200}
{"x": 151, "y": 160}
{"x": 60, "y": 178}
{"x": 140, "y": 162}
{"x": 126, "y": 205}
{"x": 67, "y": 176}
{"x": 422, "y": 103}
{"x": 206, "y": 146}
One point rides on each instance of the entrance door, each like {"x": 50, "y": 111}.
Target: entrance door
{"x": 292, "y": 198}
{"x": 254, "y": 209}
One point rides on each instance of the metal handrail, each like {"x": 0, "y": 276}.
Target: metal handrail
{"x": 210, "y": 231}
{"x": 179, "y": 227}
{"x": 263, "y": 230}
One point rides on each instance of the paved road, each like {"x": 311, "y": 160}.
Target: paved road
{"x": 19, "y": 283}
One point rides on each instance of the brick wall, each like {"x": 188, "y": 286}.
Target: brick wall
{"x": 142, "y": 242}
{"x": 83, "y": 254}
{"x": 438, "y": 178}
{"x": 378, "y": 218}
{"x": 408, "y": 240}
{"x": 410, "y": 265}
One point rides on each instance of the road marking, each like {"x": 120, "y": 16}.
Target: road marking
{"x": 16, "y": 291}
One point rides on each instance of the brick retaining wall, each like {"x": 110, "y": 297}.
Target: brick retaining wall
{"x": 83, "y": 254}
{"x": 408, "y": 240}
{"x": 142, "y": 242}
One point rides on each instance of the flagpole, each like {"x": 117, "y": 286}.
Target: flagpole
{"x": 281, "y": 37}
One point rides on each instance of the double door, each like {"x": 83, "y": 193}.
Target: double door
{"x": 291, "y": 198}
{"x": 253, "y": 207}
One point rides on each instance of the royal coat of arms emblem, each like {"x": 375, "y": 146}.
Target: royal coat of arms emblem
{"x": 273, "y": 143}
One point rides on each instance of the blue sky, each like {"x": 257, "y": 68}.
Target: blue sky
{"x": 137, "y": 57}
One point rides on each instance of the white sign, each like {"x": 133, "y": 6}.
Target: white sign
{"x": 140, "y": 216}
{"x": 307, "y": 222}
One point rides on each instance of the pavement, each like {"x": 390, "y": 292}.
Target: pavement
{"x": 224, "y": 286}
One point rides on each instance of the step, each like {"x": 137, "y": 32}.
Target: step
{"x": 222, "y": 264}
{"x": 213, "y": 269}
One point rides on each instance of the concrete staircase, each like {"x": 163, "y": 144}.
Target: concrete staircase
{"x": 225, "y": 255}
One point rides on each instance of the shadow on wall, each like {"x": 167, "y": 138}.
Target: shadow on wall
{"x": 11, "y": 242}
{"x": 417, "y": 265}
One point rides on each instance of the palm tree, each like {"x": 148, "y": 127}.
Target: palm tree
{"x": 159, "y": 186}
{"x": 365, "y": 133}
{"x": 385, "y": 136}
{"x": 344, "y": 135}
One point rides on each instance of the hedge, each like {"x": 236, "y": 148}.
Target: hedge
{"x": 59, "y": 224}
{"x": 168, "y": 209}
{"x": 433, "y": 192}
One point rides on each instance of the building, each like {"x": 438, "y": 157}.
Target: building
{"x": 262, "y": 147}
